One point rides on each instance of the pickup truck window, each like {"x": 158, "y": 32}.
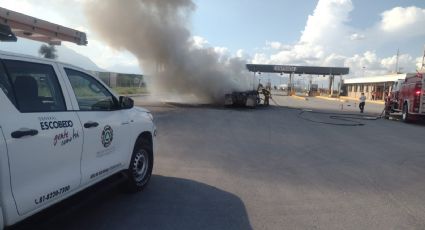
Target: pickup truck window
{"x": 36, "y": 87}
{"x": 91, "y": 95}
{"x": 5, "y": 85}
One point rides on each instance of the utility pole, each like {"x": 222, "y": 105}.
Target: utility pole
{"x": 290, "y": 85}
{"x": 396, "y": 64}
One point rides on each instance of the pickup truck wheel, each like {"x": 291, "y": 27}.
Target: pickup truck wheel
{"x": 405, "y": 113}
{"x": 140, "y": 169}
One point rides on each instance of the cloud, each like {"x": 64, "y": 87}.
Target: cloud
{"x": 260, "y": 58}
{"x": 329, "y": 16}
{"x": 240, "y": 53}
{"x": 307, "y": 54}
{"x": 371, "y": 65}
{"x": 403, "y": 20}
{"x": 357, "y": 37}
{"x": 403, "y": 61}
{"x": 199, "y": 42}
{"x": 329, "y": 40}
{"x": 320, "y": 37}
{"x": 221, "y": 50}
{"x": 334, "y": 60}
{"x": 274, "y": 45}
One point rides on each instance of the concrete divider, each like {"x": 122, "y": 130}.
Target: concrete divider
{"x": 299, "y": 97}
{"x": 367, "y": 101}
{"x": 328, "y": 98}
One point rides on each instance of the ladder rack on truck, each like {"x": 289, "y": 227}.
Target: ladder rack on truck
{"x": 14, "y": 24}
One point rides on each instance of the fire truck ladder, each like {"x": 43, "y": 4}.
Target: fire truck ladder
{"x": 14, "y": 24}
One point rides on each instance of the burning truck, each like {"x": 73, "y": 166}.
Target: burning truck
{"x": 242, "y": 99}
{"x": 249, "y": 99}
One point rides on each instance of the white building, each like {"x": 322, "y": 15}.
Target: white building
{"x": 373, "y": 87}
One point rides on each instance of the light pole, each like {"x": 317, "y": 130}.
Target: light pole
{"x": 340, "y": 85}
{"x": 363, "y": 71}
{"x": 280, "y": 79}
{"x": 259, "y": 80}
{"x": 253, "y": 80}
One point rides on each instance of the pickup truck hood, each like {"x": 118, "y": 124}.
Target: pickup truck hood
{"x": 141, "y": 109}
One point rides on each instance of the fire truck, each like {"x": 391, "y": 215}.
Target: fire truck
{"x": 408, "y": 98}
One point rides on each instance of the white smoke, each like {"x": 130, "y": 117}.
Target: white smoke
{"x": 156, "y": 31}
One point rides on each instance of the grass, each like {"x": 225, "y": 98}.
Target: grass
{"x": 130, "y": 90}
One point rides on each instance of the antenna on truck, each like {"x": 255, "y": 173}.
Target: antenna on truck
{"x": 14, "y": 24}
{"x": 423, "y": 61}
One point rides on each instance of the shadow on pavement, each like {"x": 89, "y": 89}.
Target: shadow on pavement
{"x": 167, "y": 203}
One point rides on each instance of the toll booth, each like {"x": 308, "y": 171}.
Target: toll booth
{"x": 314, "y": 90}
{"x": 293, "y": 70}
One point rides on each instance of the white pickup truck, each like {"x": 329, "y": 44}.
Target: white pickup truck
{"x": 62, "y": 130}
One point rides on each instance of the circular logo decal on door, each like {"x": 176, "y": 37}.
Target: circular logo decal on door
{"x": 107, "y": 136}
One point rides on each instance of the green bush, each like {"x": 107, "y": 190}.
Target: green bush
{"x": 130, "y": 90}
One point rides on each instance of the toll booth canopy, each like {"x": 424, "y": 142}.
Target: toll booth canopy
{"x": 291, "y": 69}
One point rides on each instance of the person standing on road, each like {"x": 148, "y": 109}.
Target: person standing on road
{"x": 267, "y": 96}
{"x": 362, "y": 102}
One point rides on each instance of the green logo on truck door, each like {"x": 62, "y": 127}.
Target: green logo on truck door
{"x": 107, "y": 136}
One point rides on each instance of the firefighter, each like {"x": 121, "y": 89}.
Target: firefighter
{"x": 259, "y": 91}
{"x": 260, "y": 87}
{"x": 267, "y": 96}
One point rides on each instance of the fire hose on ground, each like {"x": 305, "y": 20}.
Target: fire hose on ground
{"x": 348, "y": 119}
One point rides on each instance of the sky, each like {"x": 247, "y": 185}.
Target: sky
{"x": 250, "y": 24}
{"x": 363, "y": 35}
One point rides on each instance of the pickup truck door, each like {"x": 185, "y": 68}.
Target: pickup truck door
{"x": 106, "y": 141}
{"x": 43, "y": 138}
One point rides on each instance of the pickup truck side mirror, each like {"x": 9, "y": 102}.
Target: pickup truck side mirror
{"x": 126, "y": 102}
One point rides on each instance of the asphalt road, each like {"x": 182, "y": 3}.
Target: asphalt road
{"x": 267, "y": 168}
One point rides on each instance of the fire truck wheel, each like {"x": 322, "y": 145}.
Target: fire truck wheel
{"x": 405, "y": 114}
